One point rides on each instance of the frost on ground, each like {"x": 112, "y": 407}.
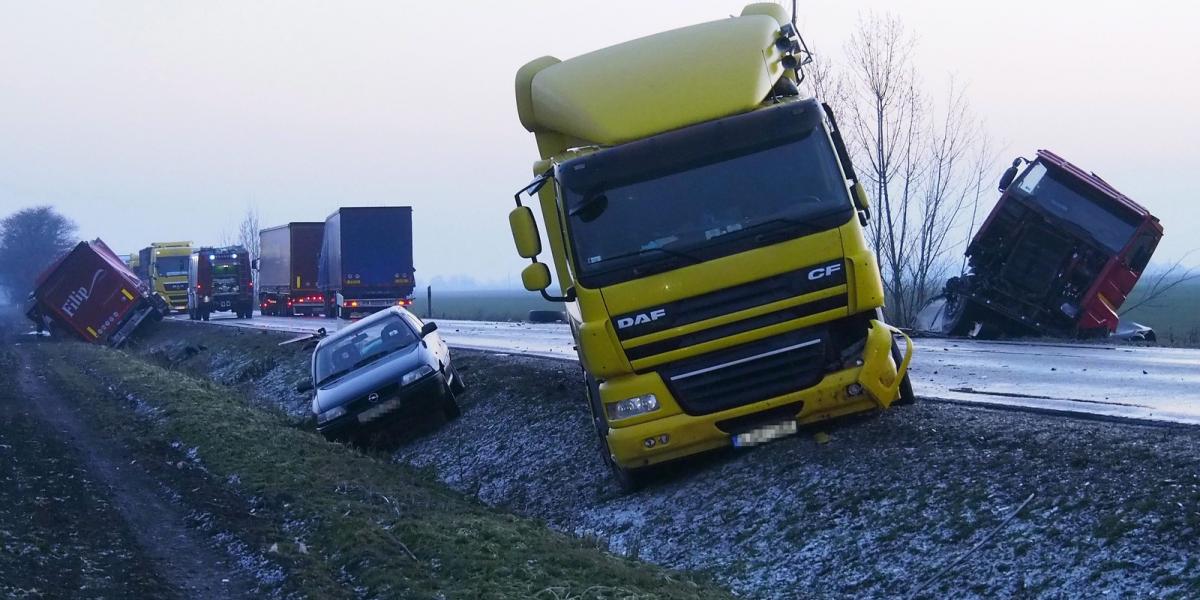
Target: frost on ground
{"x": 874, "y": 512}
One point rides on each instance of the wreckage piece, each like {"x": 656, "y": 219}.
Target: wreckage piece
{"x": 1057, "y": 256}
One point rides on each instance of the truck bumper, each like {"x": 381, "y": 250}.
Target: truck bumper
{"x": 873, "y": 385}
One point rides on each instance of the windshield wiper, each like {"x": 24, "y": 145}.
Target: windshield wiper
{"x": 333, "y": 376}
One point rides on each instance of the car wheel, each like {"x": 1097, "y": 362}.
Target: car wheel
{"x": 450, "y": 409}
{"x": 456, "y": 385}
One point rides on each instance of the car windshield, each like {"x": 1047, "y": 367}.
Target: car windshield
{"x": 683, "y": 216}
{"x": 366, "y": 345}
{"x": 171, "y": 266}
{"x": 1073, "y": 202}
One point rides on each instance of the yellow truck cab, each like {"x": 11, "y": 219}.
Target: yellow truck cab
{"x": 707, "y": 234}
{"x": 168, "y": 270}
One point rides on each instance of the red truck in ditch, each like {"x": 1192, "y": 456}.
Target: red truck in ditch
{"x": 1057, "y": 256}
{"x": 91, "y": 293}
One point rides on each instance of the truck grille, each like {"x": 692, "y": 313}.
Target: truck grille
{"x": 1036, "y": 259}
{"x": 733, "y": 299}
{"x": 748, "y": 373}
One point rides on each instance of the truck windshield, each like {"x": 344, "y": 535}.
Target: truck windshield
{"x": 1071, "y": 201}
{"x": 171, "y": 266}
{"x": 726, "y": 204}
{"x": 367, "y": 345}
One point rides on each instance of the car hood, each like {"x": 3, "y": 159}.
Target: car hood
{"x": 357, "y": 384}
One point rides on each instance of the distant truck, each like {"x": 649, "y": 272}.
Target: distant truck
{"x": 287, "y": 269}
{"x": 1058, "y": 256}
{"x": 139, "y": 263}
{"x": 220, "y": 279}
{"x": 90, "y": 292}
{"x": 366, "y": 260}
{"x": 168, "y": 271}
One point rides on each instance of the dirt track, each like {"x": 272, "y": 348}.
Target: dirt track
{"x": 82, "y": 515}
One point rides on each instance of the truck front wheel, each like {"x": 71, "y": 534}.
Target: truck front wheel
{"x": 629, "y": 480}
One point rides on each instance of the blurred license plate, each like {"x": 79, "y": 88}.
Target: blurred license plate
{"x": 378, "y": 411}
{"x": 225, "y": 304}
{"x": 765, "y": 434}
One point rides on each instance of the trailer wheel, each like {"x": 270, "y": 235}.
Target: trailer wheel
{"x": 204, "y": 315}
{"x": 546, "y": 316}
{"x": 345, "y": 313}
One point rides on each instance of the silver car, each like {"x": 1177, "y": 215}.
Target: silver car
{"x": 386, "y": 367}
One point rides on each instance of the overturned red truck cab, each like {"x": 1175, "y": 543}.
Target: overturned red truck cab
{"x": 92, "y": 294}
{"x": 1057, "y": 256}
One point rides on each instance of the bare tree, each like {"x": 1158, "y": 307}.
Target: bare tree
{"x": 30, "y": 240}
{"x": 1173, "y": 275}
{"x": 921, "y": 158}
{"x": 247, "y": 236}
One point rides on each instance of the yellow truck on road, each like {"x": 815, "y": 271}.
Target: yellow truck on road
{"x": 707, "y": 234}
{"x": 168, "y": 271}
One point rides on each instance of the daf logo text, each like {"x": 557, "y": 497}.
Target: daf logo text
{"x": 641, "y": 318}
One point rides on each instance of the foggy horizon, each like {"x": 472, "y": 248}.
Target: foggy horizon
{"x": 166, "y": 122}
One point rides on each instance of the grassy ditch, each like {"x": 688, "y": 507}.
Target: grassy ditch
{"x": 347, "y": 524}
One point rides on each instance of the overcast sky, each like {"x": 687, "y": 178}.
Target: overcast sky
{"x": 157, "y": 121}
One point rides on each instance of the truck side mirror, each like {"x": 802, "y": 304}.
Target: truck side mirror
{"x": 525, "y": 232}
{"x": 428, "y": 328}
{"x": 536, "y": 277}
{"x": 1007, "y": 178}
{"x": 1010, "y": 174}
{"x": 860, "y": 200}
{"x": 254, "y": 264}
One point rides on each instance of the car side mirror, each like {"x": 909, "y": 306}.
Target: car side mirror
{"x": 525, "y": 232}
{"x": 304, "y": 385}
{"x": 428, "y": 328}
{"x": 536, "y": 277}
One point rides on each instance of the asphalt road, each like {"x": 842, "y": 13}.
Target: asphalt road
{"x": 1144, "y": 383}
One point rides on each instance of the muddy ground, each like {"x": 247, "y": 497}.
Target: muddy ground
{"x": 887, "y": 507}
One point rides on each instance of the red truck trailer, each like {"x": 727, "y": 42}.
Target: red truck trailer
{"x": 91, "y": 293}
{"x": 287, "y": 269}
{"x": 1057, "y": 256}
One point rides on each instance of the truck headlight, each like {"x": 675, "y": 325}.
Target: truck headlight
{"x": 632, "y": 407}
{"x": 414, "y": 375}
{"x": 330, "y": 414}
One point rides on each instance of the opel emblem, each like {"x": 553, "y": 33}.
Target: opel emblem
{"x": 374, "y": 397}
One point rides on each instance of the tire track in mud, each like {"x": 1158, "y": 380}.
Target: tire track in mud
{"x": 181, "y": 555}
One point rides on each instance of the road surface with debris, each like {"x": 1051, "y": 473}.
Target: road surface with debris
{"x": 1117, "y": 381}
